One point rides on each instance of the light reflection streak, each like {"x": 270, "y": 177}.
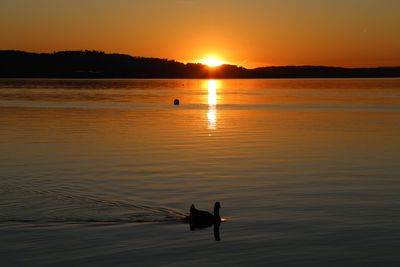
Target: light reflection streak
{"x": 212, "y": 105}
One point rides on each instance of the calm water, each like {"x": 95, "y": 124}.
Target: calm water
{"x": 101, "y": 172}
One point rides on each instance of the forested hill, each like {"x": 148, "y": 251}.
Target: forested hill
{"x": 95, "y": 64}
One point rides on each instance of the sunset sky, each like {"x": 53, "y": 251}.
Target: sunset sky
{"x": 250, "y": 33}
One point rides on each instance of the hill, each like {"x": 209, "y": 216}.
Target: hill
{"x": 97, "y": 64}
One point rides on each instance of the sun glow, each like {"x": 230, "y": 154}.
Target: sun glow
{"x": 212, "y": 62}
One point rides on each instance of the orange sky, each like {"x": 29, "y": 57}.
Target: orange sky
{"x": 244, "y": 32}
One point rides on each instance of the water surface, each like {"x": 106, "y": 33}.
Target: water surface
{"x": 101, "y": 172}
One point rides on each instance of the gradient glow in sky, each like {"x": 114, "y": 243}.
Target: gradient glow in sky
{"x": 243, "y": 32}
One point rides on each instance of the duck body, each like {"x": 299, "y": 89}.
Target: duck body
{"x": 203, "y": 219}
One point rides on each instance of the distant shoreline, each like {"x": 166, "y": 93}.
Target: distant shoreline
{"x": 100, "y": 65}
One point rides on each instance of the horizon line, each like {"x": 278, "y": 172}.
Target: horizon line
{"x": 189, "y": 62}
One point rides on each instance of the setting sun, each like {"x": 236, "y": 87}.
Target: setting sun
{"x": 212, "y": 62}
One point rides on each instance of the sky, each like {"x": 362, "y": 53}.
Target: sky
{"x": 250, "y": 33}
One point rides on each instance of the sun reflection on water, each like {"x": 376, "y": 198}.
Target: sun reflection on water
{"x": 212, "y": 105}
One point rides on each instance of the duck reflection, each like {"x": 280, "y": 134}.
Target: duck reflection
{"x": 199, "y": 219}
{"x": 212, "y": 105}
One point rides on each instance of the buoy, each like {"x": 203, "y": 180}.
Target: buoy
{"x": 176, "y": 102}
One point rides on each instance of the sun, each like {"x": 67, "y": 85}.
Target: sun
{"x": 212, "y": 62}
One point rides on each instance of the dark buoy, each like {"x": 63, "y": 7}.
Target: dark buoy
{"x": 176, "y": 102}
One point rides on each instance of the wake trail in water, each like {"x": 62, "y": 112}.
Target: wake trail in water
{"x": 23, "y": 204}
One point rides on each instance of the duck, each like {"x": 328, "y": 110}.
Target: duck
{"x": 204, "y": 219}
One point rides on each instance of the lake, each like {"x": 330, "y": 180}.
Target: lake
{"x": 102, "y": 172}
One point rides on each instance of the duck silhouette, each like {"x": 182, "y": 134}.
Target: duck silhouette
{"x": 204, "y": 219}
